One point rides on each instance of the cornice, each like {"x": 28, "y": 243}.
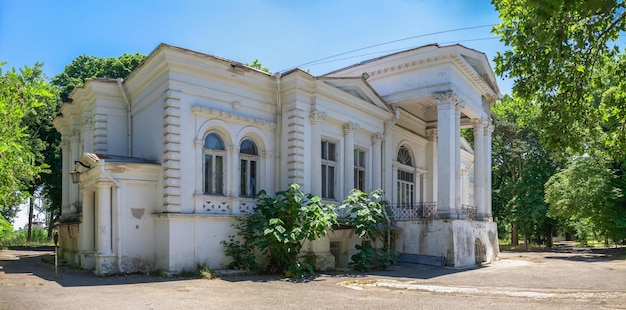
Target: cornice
{"x": 209, "y": 112}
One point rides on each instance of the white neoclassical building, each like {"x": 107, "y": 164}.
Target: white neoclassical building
{"x": 165, "y": 160}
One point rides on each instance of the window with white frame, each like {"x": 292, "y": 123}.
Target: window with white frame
{"x": 406, "y": 178}
{"x": 249, "y": 157}
{"x": 213, "y": 163}
{"x": 359, "y": 170}
{"x": 329, "y": 166}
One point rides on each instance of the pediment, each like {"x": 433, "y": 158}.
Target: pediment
{"x": 357, "y": 87}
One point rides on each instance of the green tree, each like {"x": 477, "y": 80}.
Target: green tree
{"x": 521, "y": 166}
{"x": 24, "y": 94}
{"x": 564, "y": 59}
{"x": 86, "y": 67}
{"x": 590, "y": 191}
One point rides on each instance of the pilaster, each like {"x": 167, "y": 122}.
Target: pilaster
{"x": 316, "y": 118}
{"x": 377, "y": 173}
{"x": 349, "y": 129}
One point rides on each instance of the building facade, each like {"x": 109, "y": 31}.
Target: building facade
{"x": 165, "y": 160}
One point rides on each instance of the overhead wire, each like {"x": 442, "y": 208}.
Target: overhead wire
{"x": 386, "y": 43}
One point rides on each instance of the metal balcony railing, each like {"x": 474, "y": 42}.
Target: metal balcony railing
{"x": 413, "y": 211}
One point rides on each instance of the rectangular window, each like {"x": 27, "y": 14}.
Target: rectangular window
{"x": 329, "y": 165}
{"x": 213, "y": 174}
{"x": 406, "y": 188}
{"x": 359, "y": 170}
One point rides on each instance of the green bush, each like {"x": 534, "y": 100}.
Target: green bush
{"x": 277, "y": 228}
{"x": 39, "y": 237}
{"x": 372, "y": 220}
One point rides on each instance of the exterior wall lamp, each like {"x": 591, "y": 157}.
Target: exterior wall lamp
{"x": 76, "y": 174}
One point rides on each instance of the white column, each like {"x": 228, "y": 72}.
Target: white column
{"x": 465, "y": 180}
{"x": 446, "y": 153}
{"x": 234, "y": 173}
{"x": 74, "y": 156}
{"x": 103, "y": 207}
{"x": 376, "y": 161}
{"x": 66, "y": 182}
{"x": 348, "y": 130}
{"x": 431, "y": 165}
{"x": 316, "y": 119}
{"x": 87, "y": 227}
{"x": 457, "y": 158}
{"x": 488, "y": 131}
{"x": 479, "y": 167}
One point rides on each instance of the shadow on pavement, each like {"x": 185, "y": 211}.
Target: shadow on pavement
{"x": 71, "y": 277}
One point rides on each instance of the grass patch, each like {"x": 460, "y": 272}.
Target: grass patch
{"x": 201, "y": 272}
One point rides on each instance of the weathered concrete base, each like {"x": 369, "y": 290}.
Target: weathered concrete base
{"x": 106, "y": 264}
{"x": 463, "y": 243}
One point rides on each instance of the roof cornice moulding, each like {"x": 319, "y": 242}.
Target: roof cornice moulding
{"x": 208, "y": 112}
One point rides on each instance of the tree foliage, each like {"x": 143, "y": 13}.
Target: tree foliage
{"x": 24, "y": 100}
{"x": 590, "y": 189}
{"x": 564, "y": 59}
{"x": 86, "y": 67}
{"x": 277, "y": 228}
{"x": 521, "y": 166}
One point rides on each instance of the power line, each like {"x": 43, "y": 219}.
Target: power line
{"x": 393, "y": 50}
{"x": 389, "y": 42}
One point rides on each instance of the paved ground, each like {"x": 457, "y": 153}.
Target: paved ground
{"x": 565, "y": 278}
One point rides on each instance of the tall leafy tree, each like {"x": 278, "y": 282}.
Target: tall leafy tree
{"x": 561, "y": 53}
{"x": 521, "y": 166}
{"x": 24, "y": 96}
{"x": 590, "y": 190}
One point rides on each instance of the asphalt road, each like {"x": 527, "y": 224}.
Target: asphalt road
{"x": 565, "y": 278}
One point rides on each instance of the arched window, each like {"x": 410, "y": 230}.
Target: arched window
{"x": 214, "y": 153}
{"x": 249, "y": 157}
{"x": 406, "y": 178}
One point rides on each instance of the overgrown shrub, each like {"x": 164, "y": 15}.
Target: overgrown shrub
{"x": 278, "y": 227}
{"x": 371, "y": 219}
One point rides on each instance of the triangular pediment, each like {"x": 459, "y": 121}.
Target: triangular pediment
{"x": 357, "y": 87}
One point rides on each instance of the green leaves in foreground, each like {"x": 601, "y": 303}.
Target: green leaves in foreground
{"x": 277, "y": 228}
{"x": 22, "y": 93}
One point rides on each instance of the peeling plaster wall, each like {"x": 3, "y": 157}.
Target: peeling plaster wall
{"x": 454, "y": 240}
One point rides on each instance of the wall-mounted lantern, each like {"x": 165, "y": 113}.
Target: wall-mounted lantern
{"x": 76, "y": 174}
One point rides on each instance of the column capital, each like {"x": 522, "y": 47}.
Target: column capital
{"x": 350, "y": 127}
{"x": 431, "y": 134}
{"x": 446, "y": 100}
{"x": 378, "y": 137}
{"x": 479, "y": 123}
{"x": 317, "y": 116}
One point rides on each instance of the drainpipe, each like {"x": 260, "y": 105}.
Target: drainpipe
{"x": 128, "y": 117}
{"x": 395, "y": 120}
{"x": 119, "y": 217}
{"x": 279, "y": 122}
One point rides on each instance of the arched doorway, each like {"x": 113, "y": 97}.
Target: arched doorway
{"x": 480, "y": 253}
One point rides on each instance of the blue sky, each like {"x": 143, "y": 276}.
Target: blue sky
{"x": 282, "y": 34}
